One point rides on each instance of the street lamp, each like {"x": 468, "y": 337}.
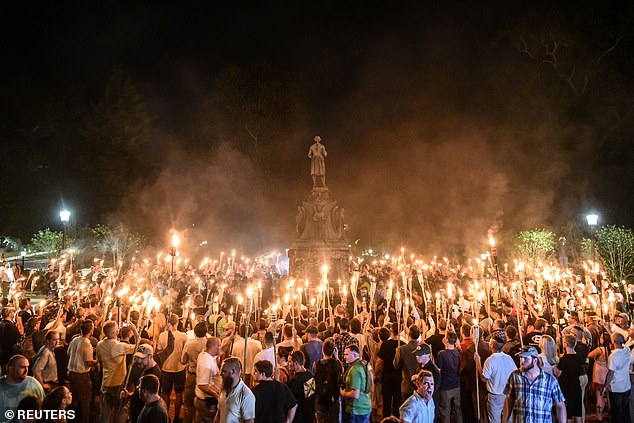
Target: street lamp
{"x": 64, "y": 216}
{"x": 592, "y": 220}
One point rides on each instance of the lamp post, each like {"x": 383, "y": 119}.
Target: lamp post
{"x": 64, "y": 216}
{"x": 592, "y": 220}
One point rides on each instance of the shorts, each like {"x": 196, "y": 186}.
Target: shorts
{"x": 175, "y": 379}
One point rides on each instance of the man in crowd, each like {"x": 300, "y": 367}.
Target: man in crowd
{"x": 448, "y": 362}
{"x": 111, "y": 353}
{"x": 344, "y": 338}
{"x": 16, "y": 385}
{"x": 154, "y": 410}
{"x": 9, "y": 336}
{"x": 531, "y": 393}
{"x": 532, "y": 338}
{"x": 253, "y": 347}
{"x": 80, "y": 361}
{"x": 189, "y": 358}
{"x": 618, "y": 380}
{"x": 390, "y": 376}
{"x": 328, "y": 372}
{"x": 274, "y": 401}
{"x": 312, "y": 347}
{"x": 495, "y": 373}
{"x": 237, "y": 402}
{"x": 268, "y": 353}
{"x": 45, "y": 366}
{"x": 405, "y": 360}
{"x": 302, "y": 386}
{"x": 419, "y": 408}
{"x": 355, "y": 391}
{"x": 144, "y": 364}
{"x": 208, "y": 382}
{"x": 172, "y": 369}
{"x": 423, "y": 356}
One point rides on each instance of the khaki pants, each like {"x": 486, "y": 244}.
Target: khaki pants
{"x": 188, "y": 398}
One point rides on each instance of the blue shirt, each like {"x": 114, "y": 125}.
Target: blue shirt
{"x": 533, "y": 402}
{"x": 416, "y": 410}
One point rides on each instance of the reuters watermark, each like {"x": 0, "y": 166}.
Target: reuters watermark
{"x": 40, "y": 414}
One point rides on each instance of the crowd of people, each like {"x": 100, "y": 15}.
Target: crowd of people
{"x": 89, "y": 354}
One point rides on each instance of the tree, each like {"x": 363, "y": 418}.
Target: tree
{"x": 535, "y": 244}
{"x": 615, "y": 247}
{"x": 47, "y": 241}
{"x": 119, "y": 242}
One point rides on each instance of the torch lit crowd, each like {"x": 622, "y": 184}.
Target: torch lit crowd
{"x": 395, "y": 339}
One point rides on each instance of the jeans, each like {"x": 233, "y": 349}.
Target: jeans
{"x": 356, "y": 418}
{"x": 620, "y": 407}
{"x": 450, "y": 405}
{"x": 583, "y": 381}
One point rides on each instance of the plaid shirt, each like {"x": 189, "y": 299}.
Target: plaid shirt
{"x": 342, "y": 341}
{"x": 533, "y": 402}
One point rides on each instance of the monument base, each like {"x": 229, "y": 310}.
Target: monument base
{"x": 307, "y": 262}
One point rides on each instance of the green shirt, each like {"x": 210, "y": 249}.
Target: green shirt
{"x": 355, "y": 379}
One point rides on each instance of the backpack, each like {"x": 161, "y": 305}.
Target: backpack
{"x": 369, "y": 377}
{"x": 326, "y": 381}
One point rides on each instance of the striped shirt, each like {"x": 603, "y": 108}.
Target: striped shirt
{"x": 533, "y": 402}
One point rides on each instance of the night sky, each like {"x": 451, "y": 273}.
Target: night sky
{"x": 442, "y": 121}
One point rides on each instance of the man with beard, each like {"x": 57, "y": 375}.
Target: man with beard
{"x": 236, "y": 403}
{"x": 154, "y": 410}
{"x": 530, "y": 393}
{"x": 144, "y": 364}
{"x": 16, "y": 385}
{"x": 419, "y": 408}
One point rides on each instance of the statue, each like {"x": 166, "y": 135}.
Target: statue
{"x": 317, "y": 155}
{"x": 300, "y": 220}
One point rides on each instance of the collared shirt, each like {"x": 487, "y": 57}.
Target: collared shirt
{"x": 496, "y": 370}
{"x": 79, "y": 351}
{"x": 237, "y": 405}
{"x": 207, "y": 373}
{"x": 416, "y": 410}
{"x": 533, "y": 402}
{"x": 619, "y": 363}
{"x": 192, "y": 348}
{"x": 46, "y": 365}
{"x": 342, "y": 341}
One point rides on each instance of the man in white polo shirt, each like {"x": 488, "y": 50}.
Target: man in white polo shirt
{"x": 236, "y": 403}
{"x": 208, "y": 382}
{"x": 618, "y": 380}
{"x": 496, "y": 372}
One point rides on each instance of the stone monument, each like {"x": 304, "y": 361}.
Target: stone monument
{"x": 320, "y": 230}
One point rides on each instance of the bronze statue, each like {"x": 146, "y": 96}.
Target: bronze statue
{"x": 317, "y": 155}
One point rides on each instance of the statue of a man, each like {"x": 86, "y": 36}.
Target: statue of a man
{"x": 317, "y": 155}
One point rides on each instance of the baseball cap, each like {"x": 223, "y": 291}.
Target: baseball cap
{"x": 528, "y": 352}
{"x": 422, "y": 349}
{"x": 144, "y": 350}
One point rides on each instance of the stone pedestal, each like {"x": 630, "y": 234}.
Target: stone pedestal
{"x": 320, "y": 238}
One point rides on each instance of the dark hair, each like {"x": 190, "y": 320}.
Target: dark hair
{"x": 264, "y": 366}
{"x": 540, "y": 324}
{"x": 414, "y": 332}
{"x": 511, "y": 332}
{"x": 269, "y": 339}
{"x": 355, "y": 325}
{"x": 86, "y": 326}
{"x": 384, "y": 334}
{"x": 288, "y": 330}
{"x": 451, "y": 338}
{"x": 298, "y": 357}
{"x": 53, "y": 400}
{"x": 344, "y": 324}
{"x": 150, "y": 383}
{"x": 353, "y": 348}
{"x": 49, "y": 335}
{"x": 200, "y": 330}
{"x": 329, "y": 347}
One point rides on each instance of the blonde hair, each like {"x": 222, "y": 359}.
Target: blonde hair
{"x": 549, "y": 349}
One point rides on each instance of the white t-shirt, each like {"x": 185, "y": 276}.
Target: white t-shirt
{"x": 497, "y": 369}
{"x": 267, "y": 354}
{"x": 207, "y": 373}
{"x": 79, "y": 351}
{"x": 619, "y": 363}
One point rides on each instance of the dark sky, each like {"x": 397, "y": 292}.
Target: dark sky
{"x": 442, "y": 121}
